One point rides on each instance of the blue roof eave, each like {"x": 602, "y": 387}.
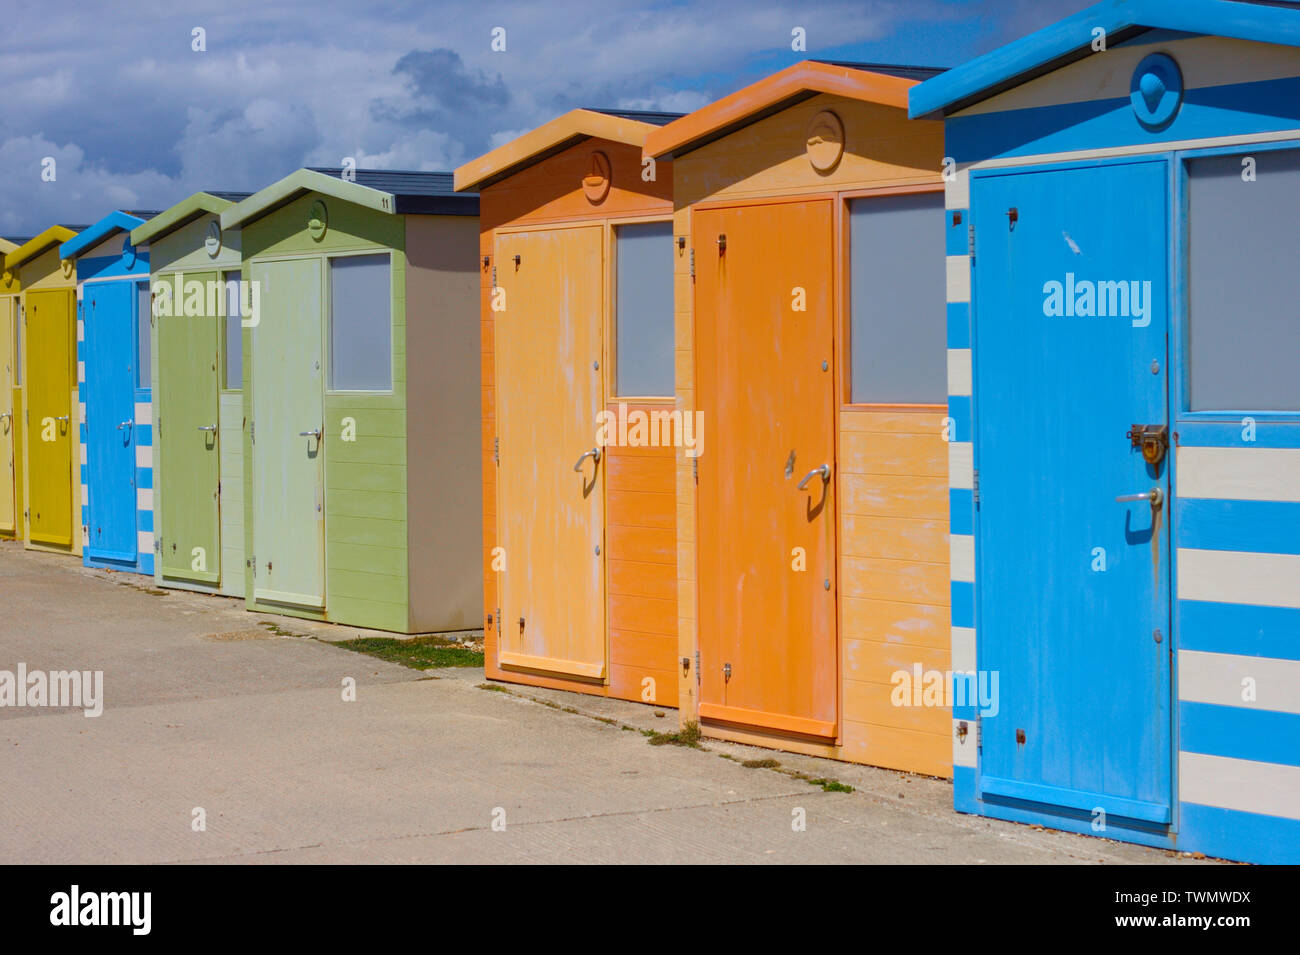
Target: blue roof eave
{"x": 1068, "y": 39}
{"x": 115, "y": 221}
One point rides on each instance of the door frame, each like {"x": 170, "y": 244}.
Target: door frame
{"x": 839, "y": 316}
{"x": 601, "y": 678}
{"x": 1172, "y": 363}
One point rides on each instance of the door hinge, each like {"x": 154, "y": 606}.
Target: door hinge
{"x": 697, "y": 667}
{"x": 252, "y": 432}
{"x": 970, "y": 241}
{"x": 979, "y": 734}
{"x": 692, "y": 263}
{"x": 695, "y": 469}
{"x": 494, "y": 278}
{"x": 252, "y": 562}
{"x": 496, "y": 457}
{"x": 975, "y": 486}
{"x": 157, "y": 546}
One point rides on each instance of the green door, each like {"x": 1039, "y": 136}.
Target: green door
{"x": 288, "y": 417}
{"x": 51, "y": 434}
{"x": 189, "y": 444}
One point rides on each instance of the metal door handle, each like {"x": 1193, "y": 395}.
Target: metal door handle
{"x": 125, "y": 424}
{"x": 207, "y": 427}
{"x": 310, "y": 434}
{"x": 824, "y": 470}
{"x": 594, "y": 454}
{"x": 7, "y": 414}
{"x": 1155, "y": 497}
{"x": 62, "y": 418}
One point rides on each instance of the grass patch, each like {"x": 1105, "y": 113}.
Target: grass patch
{"x": 760, "y": 764}
{"x": 493, "y": 687}
{"x": 688, "y": 735}
{"x": 831, "y": 786}
{"x": 418, "y": 653}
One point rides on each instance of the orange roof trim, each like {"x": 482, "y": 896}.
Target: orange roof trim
{"x": 770, "y": 94}
{"x": 546, "y": 140}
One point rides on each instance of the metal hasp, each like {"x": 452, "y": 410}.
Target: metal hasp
{"x": 1153, "y": 439}
{"x": 722, "y": 243}
{"x": 726, "y": 671}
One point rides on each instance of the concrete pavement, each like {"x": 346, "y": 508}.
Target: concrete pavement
{"x": 207, "y": 709}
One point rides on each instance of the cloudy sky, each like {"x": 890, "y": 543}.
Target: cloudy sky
{"x": 134, "y": 117}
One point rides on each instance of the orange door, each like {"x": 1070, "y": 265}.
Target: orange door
{"x": 764, "y": 347}
{"x": 550, "y": 489}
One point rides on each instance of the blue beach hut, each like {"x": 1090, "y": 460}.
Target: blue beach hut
{"x": 116, "y": 433}
{"x": 1122, "y": 195}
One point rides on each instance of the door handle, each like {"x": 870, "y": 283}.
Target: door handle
{"x": 7, "y": 415}
{"x": 1155, "y": 497}
{"x": 62, "y": 418}
{"x": 315, "y": 433}
{"x": 207, "y": 427}
{"x": 824, "y": 470}
{"x": 594, "y": 454}
{"x": 125, "y": 424}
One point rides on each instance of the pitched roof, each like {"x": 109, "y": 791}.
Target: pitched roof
{"x": 872, "y": 82}
{"x": 116, "y": 221}
{"x": 1071, "y": 39}
{"x": 397, "y": 192}
{"x": 630, "y": 127}
{"x": 187, "y": 210}
{"x": 40, "y": 243}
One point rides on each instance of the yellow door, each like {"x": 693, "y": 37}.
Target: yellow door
{"x": 550, "y": 487}
{"x": 8, "y": 500}
{"x": 50, "y": 435}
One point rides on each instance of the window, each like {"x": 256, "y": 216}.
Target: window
{"x": 899, "y": 326}
{"x": 143, "y": 325}
{"x": 361, "y": 324}
{"x": 234, "y": 335}
{"x": 644, "y": 310}
{"x": 1243, "y": 318}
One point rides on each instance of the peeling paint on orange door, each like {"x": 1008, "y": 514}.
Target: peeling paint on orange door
{"x": 765, "y": 354}
{"x": 550, "y": 489}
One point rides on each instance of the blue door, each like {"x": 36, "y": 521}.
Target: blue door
{"x": 110, "y": 356}
{"x": 1070, "y": 353}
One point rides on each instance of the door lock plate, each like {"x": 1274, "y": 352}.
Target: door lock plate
{"x": 1153, "y": 439}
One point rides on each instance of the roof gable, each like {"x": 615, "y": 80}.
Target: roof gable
{"x": 1071, "y": 39}
{"x": 630, "y": 127}
{"x": 185, "y": 211}
{"x": 116, "y": 221}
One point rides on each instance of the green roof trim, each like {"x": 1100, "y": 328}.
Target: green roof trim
{"x": 169, "y": 220}
{"x": 267, "y": 200}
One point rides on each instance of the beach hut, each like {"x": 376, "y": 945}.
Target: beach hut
{"x": 579, "y": 425}
{"x": 1123, "y": 335}
{"x": 42, "y": 291}
{"x": 813, "y": 564}
{"x": 115, "y": 430}
{"x": 361, "y": 450}
{"x": 10, "y": 463}
{"x": 198, "y": 387}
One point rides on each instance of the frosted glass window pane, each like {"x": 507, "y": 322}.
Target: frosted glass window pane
{"x": 361, "y": 324}
{"x": 645, "y": 310}
{"x": 899, "y": 326}
{"x": 143, "y": 323}
{"x": 1244, "y": 317}
{"x": 234, "y": 332}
